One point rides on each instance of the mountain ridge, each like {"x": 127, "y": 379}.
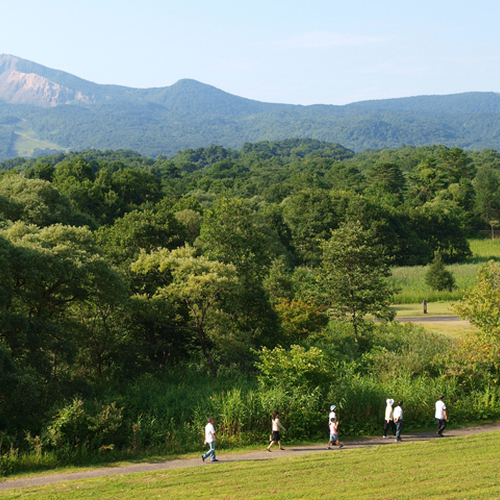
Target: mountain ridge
{"x": 43, "y": 110}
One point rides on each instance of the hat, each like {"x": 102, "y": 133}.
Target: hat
{"x": 333, "y": 408}
{"x": 390, "y": 401}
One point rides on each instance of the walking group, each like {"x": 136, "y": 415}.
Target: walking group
{"x": 393, "y": 419}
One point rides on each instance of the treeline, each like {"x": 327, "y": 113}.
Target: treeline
{"x": 114, "y": 265}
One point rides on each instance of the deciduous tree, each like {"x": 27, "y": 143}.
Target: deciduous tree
{"x": 354, "y": 275}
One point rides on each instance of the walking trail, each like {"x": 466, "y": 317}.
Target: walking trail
{"x": 250, "y": 456}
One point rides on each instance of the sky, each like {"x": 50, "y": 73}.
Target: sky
{"x": 315, "y": 52}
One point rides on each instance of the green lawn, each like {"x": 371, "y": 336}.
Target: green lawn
{"x": 454, "y": 468}
{"x": 453, "y": 329}
{"x": 416, "y": 310}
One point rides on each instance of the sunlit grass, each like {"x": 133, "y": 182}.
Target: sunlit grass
{"x": 452, "y": 329}
{"x": 441, "y": 468}
{"x": 411, "y": 280}
{"x": 415, "y": 310}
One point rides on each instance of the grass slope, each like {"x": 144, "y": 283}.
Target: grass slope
{"x": 465, "y": 468}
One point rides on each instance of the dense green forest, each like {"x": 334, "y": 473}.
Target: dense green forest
{"x": 141, "y": 294}
{"x": 163, "y": 121}
{"x": 182, "y": 118}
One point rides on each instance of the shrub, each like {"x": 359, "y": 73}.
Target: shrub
{"x": 78, "y": 425}
{"x": 294, "y": 368}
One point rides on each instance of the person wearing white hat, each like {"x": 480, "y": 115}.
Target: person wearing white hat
{"x": 332, "y": 413}
{"x": 389, "y": 418}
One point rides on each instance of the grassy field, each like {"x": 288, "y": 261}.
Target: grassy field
{"x": 416, "y": 310}
{"x": 452, "y": 329}
{"x": 411, "y": 280}
{"x": 457, "y": 468}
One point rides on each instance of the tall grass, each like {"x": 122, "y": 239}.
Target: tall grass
{"x": 411, "y": 280}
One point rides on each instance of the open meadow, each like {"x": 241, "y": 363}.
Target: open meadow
{"x": 454, "y": 468}
{"x": 411, "y": 280}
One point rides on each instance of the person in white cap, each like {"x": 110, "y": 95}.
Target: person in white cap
{"x": 389, "y": 418}
{"x": 332, "y": 414}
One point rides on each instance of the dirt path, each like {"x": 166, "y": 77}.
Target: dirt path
{"x": 226, "y": 458}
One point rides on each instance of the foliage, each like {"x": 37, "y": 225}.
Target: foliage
{"x": 300, "y": 319}
{"x": 481, "y": 306}
{"x": 296, "y": 368}
{"x": 78, "y": 425}
{"x": 203, "y": 262}
{"x": 201, "y": 285}
{"x": 438, "y": 277}
{"x": 354, "y": 275}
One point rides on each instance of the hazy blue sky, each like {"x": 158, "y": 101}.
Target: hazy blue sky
{"x": 320, "y": 51}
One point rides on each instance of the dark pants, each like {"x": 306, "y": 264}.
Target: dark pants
{"x": 391, "y": 425}
{"x": 441, "y": 425}
{"x": 399, "y": 427}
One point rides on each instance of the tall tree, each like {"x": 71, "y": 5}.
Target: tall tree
{"x": 354, "y": 275}
{"x": 311, "y": 215}
{"x": 386, "y": 179}
{"x": 487, "y": 203}
{"x": 233, "y": 233}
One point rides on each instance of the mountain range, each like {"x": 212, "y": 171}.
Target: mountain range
{"x": 43, "y": 111}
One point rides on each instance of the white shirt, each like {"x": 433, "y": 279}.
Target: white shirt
{"x": 277, "y": 425}
{"x": 209, "y": 433}
{"x": 398, "y": 413}
{"x": 440, "y": 408}
{"x": 332, "y": 415}
{"x": 388, "y": 413}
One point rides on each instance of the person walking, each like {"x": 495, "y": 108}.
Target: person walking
{"x": 398, "y": 420}
{"x": 389, "y": 418}
{"x": 441, "y": 415}
{"x": 276, "y": 426}
{"x": 210, "y": 438}
{"x": 334, "y": 434}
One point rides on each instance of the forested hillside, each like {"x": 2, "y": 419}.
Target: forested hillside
{"x": 121, "y": 273}
{"x": 44, "y": 110}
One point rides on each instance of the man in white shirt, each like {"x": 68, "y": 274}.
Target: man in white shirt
{"x": 398, "y": 420}
{"x": 441, "y": 416}
{"x": 210, "y": 438}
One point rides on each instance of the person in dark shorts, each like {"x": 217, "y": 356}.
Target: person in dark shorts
{"x": 275, "y": 436}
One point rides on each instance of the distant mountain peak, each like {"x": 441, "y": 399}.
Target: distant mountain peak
{"x": 21, "y": 84}
{"x": 38, "y": 113}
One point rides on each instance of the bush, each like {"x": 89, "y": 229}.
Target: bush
{"x": 79, "y": 425}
